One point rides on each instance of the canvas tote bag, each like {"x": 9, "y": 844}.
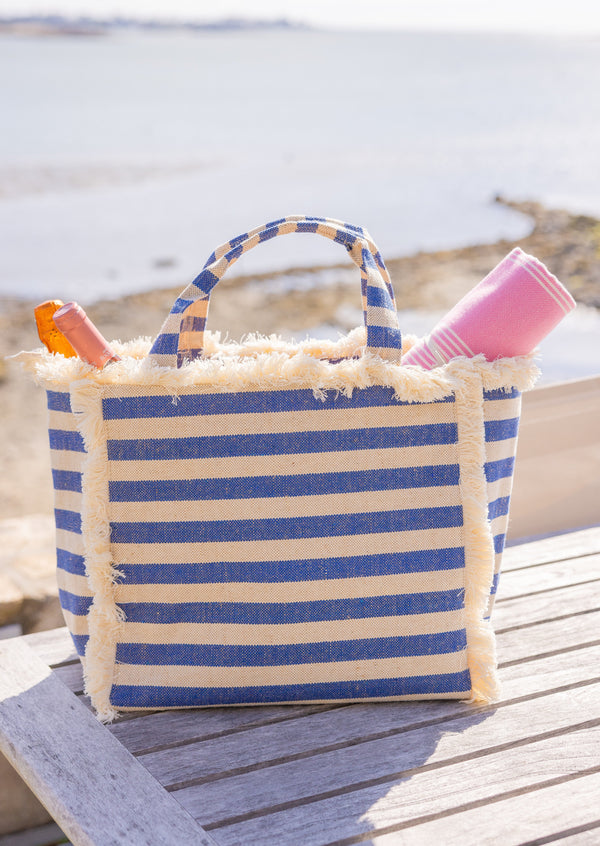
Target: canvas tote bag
{"x": 274, "y": 522}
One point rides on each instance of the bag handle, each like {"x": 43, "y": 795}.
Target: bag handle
{"x": 181, "y": 337}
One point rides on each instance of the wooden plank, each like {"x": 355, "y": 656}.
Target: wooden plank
{"x": 550, "y": 577}
{"x": 568, "y": 809}
{"x": 94, "y": 789}
{"x": 557, "y": 671}
{"x": 339, "y": 767}
{"x": 170, "y": 728}
{"x": 268, "y": 744}
{"x": 554, "y": 548}
{"x": 547, "y": 605}
{"x": 71, "y": 675}
{"x": 357, "y": 815}
{"x": 53, "y": 647}
{"x": 526, "y": 642}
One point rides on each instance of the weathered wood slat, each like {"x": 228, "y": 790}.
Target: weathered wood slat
{"x": 53, "y": 647}
{"x": 567, "y": 812}
{"x": 547, "y": 605}
{"x": 178, "y": 727}
{"x": 71, "y": 675}
{"x": 428, "y": 789}
{"x": 340, "y": 769}
{"x": 550, "y": 576}
{"x": 541, "y": 638}
{"x": 542, "y": 768}
{"x": 559, "y": 671}
{"x": 298, "y": 737}
{"x": 566, "y": 545}
{"x": 75, "y": 767}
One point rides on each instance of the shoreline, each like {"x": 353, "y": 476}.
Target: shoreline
{"x": 568, "y": 243}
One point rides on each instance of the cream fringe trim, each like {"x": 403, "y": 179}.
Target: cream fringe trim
{"x": 478, "y": 540}
{"x": 104, "y": 616}
{"x": 270, "y": 363}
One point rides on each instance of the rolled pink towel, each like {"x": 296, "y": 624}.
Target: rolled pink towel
{"x": 508, "y": 313}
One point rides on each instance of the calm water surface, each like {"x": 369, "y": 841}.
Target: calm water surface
{"x": 124, "y": 160}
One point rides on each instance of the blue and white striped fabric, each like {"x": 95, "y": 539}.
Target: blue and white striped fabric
{"x": 267, "y": 559}
{"x": 182, "y": 335}
{"x": 279, "y": 542}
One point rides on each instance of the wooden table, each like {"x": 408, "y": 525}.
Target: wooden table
{"x": 525, "y": 770}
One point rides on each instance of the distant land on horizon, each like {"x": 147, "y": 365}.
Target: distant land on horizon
{"x": 37, "y": 25}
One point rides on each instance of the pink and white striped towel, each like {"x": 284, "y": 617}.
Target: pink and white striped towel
{"x": 508, "y": 313}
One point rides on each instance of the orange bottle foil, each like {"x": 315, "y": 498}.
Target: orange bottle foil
{"x": 89, "y": 344}
{"x": 50, "y": 335}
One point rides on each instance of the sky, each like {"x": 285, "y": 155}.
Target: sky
{"x": 546, "y": 16}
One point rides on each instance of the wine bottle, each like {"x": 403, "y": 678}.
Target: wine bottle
{"x": 507, "y": 314}
{"x": 52, "y": 338}
{"x": 89, "y": 344}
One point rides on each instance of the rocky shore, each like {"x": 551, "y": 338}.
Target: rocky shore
{"x": 568, "y": 244}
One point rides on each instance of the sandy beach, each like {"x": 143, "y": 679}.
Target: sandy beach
{"x": 569, "y": 245}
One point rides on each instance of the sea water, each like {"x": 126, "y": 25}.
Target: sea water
{"x": 125, "y": 159}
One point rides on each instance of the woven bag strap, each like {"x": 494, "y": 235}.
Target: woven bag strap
{"x": 181, "y": 337}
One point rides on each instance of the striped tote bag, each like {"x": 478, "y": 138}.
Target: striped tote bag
{"x": 273, "y": 522}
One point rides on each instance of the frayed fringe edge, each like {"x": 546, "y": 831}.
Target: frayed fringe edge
{"x": 479, "y": 544}
{"x": 104, "y": 616}
{"x": 271, "y": 363}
